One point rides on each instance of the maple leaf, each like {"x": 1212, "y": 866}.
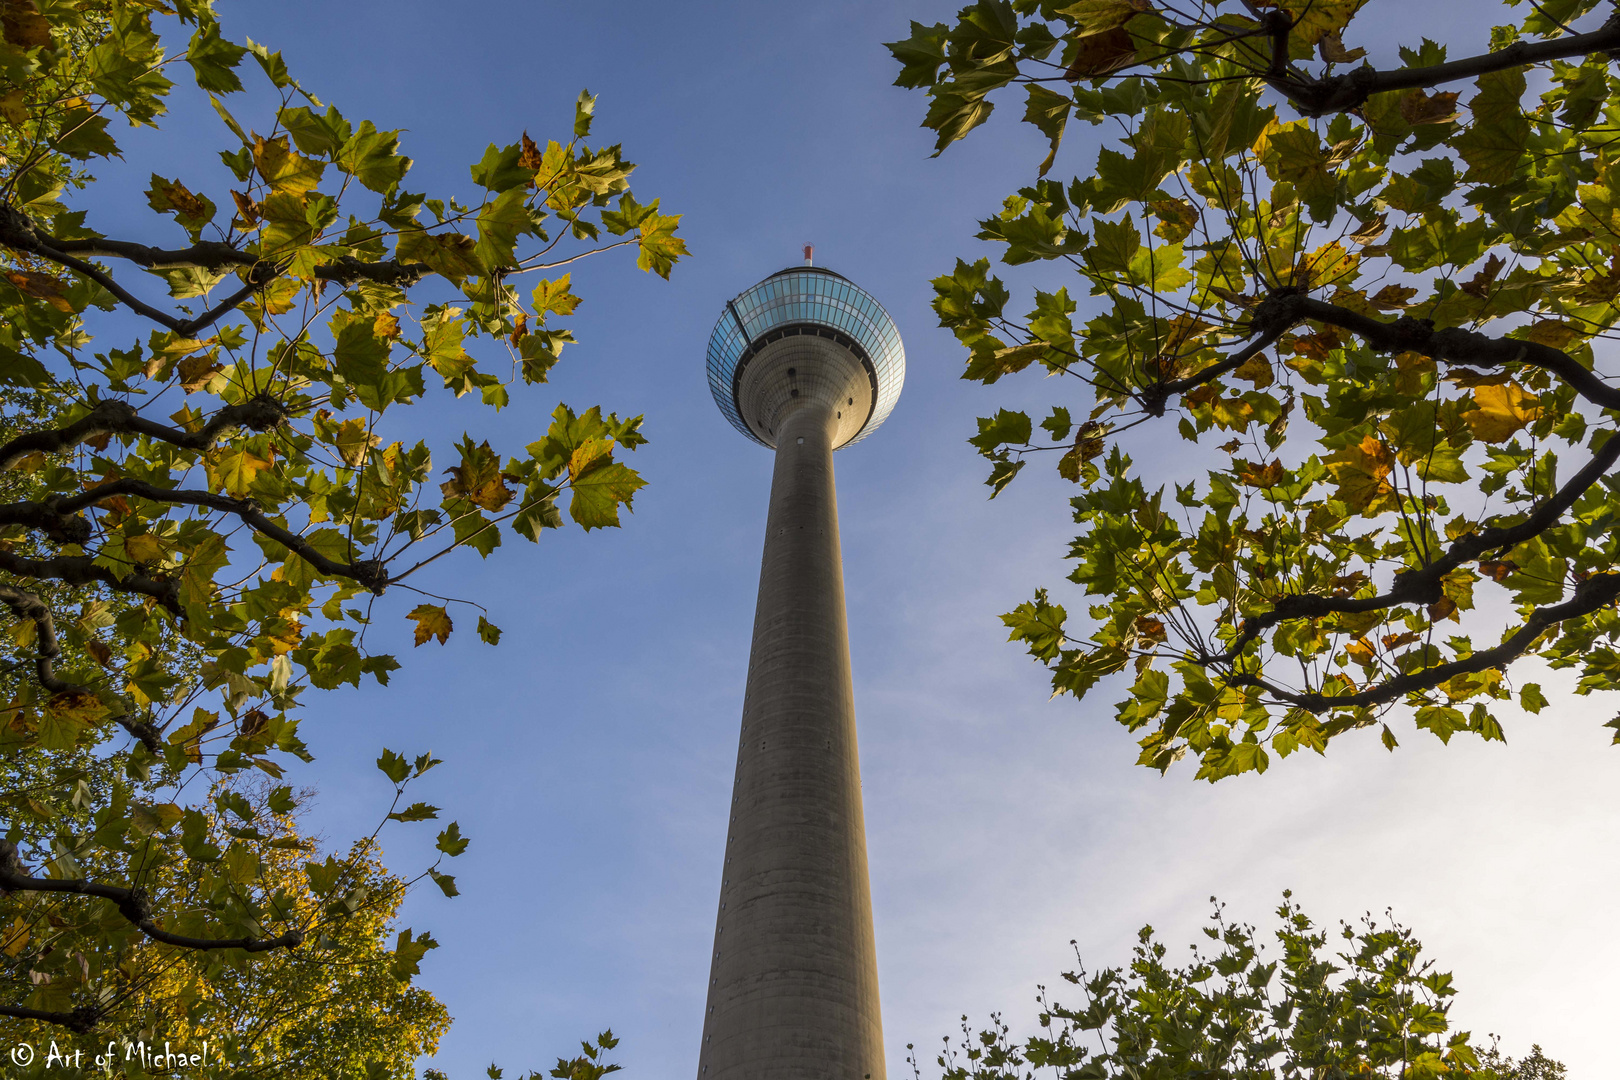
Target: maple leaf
{"x": 431, "y": 621}
{"x": 1501, "y": 410}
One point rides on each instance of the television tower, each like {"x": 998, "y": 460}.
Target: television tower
{"x": 804, "y": 363}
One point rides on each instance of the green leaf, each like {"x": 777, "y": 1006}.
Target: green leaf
{"x": 1499, "y": 134}
{"x": 394, "y": 766}
{"x": 450, "y": 841}
{"x": 419, "y": 811}
{"x": 600, "y": 491}
{"x": 213, "y": 59}
{"x": 445, "y": 882}
{"x": 83, "y": 134}
{"x": 584, "y": 108}
{"x": 368, "y": 156}
{"x": 502, "y": 169}
{"x": 408, "y": 952}
{"x": 488, "y": 631}
{"x": 920, "y": 55}
{"x": 1049, "y": 112}
{"x": 1005, "y": 428}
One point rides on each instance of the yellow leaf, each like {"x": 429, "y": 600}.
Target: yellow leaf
{"x": 1418, "y": 107}
{"x": 353, "y": 441}
{"x": 431, "y": 621}
{"x": 284, "y": 168}
{"x": 1326, "y": 265}
{"x": 233, "y": 470}
{"x": 554, "y": 296}
{"x": 1261, "y": 476}
{"x": 14, "y": 106}
{"x": 145, "y": 548}
{"x": 1256, "y": 369}
{"x": 79, "y": 706}
{"x": 15, "y": 937}
{"x": 1360, "y": 472}
{"x": 1502, "y": 410}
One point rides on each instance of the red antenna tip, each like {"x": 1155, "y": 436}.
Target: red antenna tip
{"x": 809, "y": 253}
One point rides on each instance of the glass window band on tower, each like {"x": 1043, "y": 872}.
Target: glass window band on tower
{"x": 806, "y": 296}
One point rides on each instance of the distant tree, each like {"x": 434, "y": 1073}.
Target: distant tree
{"x": 1382, "y": 314}
{"x": 1374, "y": 1008}
{"x": 200, "y": 518}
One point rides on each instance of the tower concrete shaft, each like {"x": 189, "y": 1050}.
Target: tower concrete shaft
{"x": 793, "y": 991}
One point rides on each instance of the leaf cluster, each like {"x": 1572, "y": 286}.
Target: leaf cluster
{"x": 1380, "y": 310}
{"x": 1357, "y": 1002}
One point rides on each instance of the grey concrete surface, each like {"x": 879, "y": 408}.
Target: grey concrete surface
{"x": 793, "y": 991}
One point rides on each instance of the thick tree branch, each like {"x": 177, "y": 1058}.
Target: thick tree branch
{"x": 1458, "y": 346}
{"x": 1595, "y": 592}
{"x": 25, "y": 605}
{"x": 261, "y": 413}
{"x": 1342, "y": 93}
{"x": 1424, "y": 586}
{"x": 1273, "y": 317}
{"x": 20, "y": 232}
{"x": 83, "y": 570}
{"x": 369, "y": 573}
{"x": 81, "y": 1020}
{"x": 132, "y": 904}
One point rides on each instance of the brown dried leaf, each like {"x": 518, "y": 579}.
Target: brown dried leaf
{"x": 1480, "y": 282}
{"x": 40, "y": 287}
{"x": 247, "y": 208}
{"x": 1418, "y": 107}
{"x": 23, "y": 25}
{"x": 1331, "y": 48}
{"x": 196, "y": 371}
{"x": 1260, "y": 476}
{"x": 1392, "y": 297}
{"x": 1102, "y": 54}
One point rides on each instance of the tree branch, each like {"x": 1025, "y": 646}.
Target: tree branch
{"x": 83, "y": 570}
{"x": 261, "y": 413}
{"x": 1458, "y": 346}
{"x": 81, "y": 1020}
{"x": 132, "y": 904}
{"x": 369, "y": 573}
{"x": 25, "y": 605}
{"x": 1273, "y": 317}
{"x": 1595, "y": 592}
{"x": 19, "y": 231}
{"x": 1424, "y": 586}
{"x": 1342, "y": 93}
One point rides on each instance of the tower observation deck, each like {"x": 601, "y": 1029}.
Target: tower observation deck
{"x": 803, "y": 362}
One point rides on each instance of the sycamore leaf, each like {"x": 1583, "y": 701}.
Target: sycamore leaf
{"x": 171, "y": 196}
{"x": 554, "y": 296}
{"x": 42, "y": 287}
{"x": 599, "y": 492}
{"x": 1099, "y": 55}
{"x": 1361, "y": 472}
{"x": 478, "y": 478}
{"x": 431, "y": 621}
{"x": 488, "y": 632}
{"x": 83, "y": 134}
{"x": 213, "y": 59}
{"x": 1500, "y": 411}
{"x": 283, "y": 168}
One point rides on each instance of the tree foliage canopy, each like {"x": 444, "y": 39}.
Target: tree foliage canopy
{"x": 1359, "y": 1002}
{"x": 210, "y": 475}
{"x": 1382, "y": 311}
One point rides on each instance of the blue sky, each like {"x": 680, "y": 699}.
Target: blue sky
{"x": 589, "y": 757}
